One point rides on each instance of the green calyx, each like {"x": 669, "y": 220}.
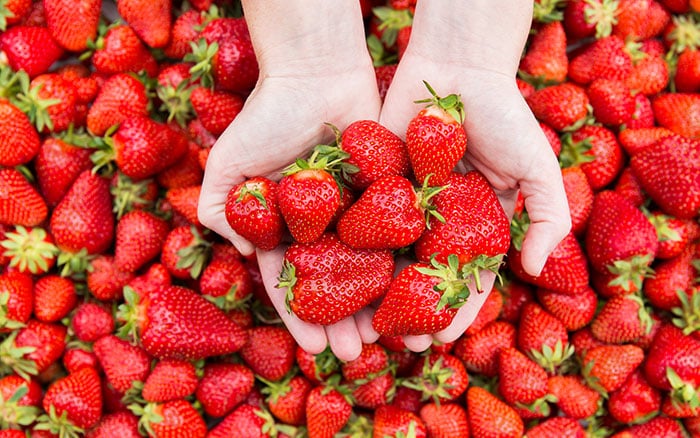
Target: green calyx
{"x": 433, "y": 381}
{"x": 552, "y": 359}
{"x": 28, "y": 249}
{"x": 202, "y": 55}
{"x": 685, "y": 34}
{"x": 682, "y": 393}
{"x": 454, "y": 288}
{"x": 128, "y": 193}
{"x": 74, "y": 264}
{"x": 630, "y": 274}
{"x": 35, "y": 107}
{"x": 13, "y": 360}
{"x": 13, "y": 414}
{"x": 574, "y": 153}
{"x": 252, "y": 189}
{"x": 603, "y": 14}
{"x": 481, "y": 263}
{"x": 129, "y": 316}
{"x": 148, "y": 415}
{"x": 287, "y": 280}
{"x": 391, "y": 21}
{"x": 5, "y": 322}
{"x": 451, "y": 104}
{"x": 425, "y": 194}
{"x": 518, "y": 227}
{"x": 58, "y": 425}
{"x": 195, "y": 256}
{"x": 176, "y": 102}
{"x": 687, "y": 315}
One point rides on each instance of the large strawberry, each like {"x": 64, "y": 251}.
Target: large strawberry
{"x": 327, "y": 411}
{"x": 57, "y": 166}
{"x": 122, "y": 362}
{"x": 176, "y": 322}
{"x": 390, "y": 214}
{"x": 19, "y": 140}
{"x": 215, "y": 108}
{"x": 327, "y": 280}
{"x": 545, "y": 60}
{"x": 634, "y": 400}
{"x": 489, "y": 416}
{"x": 73, "y": 24}
{"x": 436, "y": 139}
{"x": 269, "y": 351}
{"x": 139, "y": 238}
{"x": 73, "y": 403}
{"x": 543, "y": 337}
{"x": 120, "y": 97}
{"x": 479, "y": 352}
{"x": 678, "y": 112}
{"x": 30, "y": 48}
{"x": 607, "y": 367}
{"x": 523, "y": 384}
{"x": 149, "y": 19}
{"x": 119, "y": 50}
{"x": 20, "y": 202}
{"x": 560, "y": 106}
{"x": 253, "y": 212}
{"x": 606, "y": 57}
{"x": 223, "y": 386}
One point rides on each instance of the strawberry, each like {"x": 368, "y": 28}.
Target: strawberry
{"x": 20, "y": 202}
{"x": 16, "y": 300}
{"x": 441, "y": 377}
{"x": 596, "y": 150}
{"x": 489, "y": 416}
{"x": 176, "y": 322}
{"x": 30, "y": 48}
{"x": 375, "y": 151}
{"x": 640, "y": 19}
{"x": 622, "y": 319}
{"x": 170, "y": 379}
{"x": 19, "y": 140}
{"x": 573, "y": 397}
{"x": 378, "y": 391}
{"x": 223, "y": 386}
{"x": 51, "y": 103}
{"x": 317, "y": 367}
{"x": 73, "y": 403}
{"x": 83, "y": 218}
{"x": 385, "y": 74}
{"x": 29, "y": 250}
{"x": 123, "y": 424}
{"x": 673, "y": 233}
{"x": 327, "y": 411}
{"x": 678, "y": 112}
{"x": 634, "y": 140}
{"x": 445, "y": 420}
{"x": 58, "y": 164}
{"x": 606, "y": 57}
{"x": 671, "y": 362}
{"x": 246, "y": 421}
{"x": 226, "y": 280}
{"x": 560, "y": 106}
{"x": 215, "y": 109}
{"x": 361, "y": 275}
{"x": 390, "y": 214}
{"x": 185, "y": 30}
{"x": 20, "y": 400}
{"x": 119, "y": 50}
{"x": 105, "y": 280}
{"x": 269, "y": 351}
{"x": 475, "y": 229}
{"x": 121, "y": 97}
{"x": 556, "y": 426}
{"x": 149, "y": 19}
{"x": 543, "y": 337}
{"x": 522, "y": 383}
{"x": 635, "y": 400}
{"x": 687, "y": 75}
{"x": 668, "y": 173}
{"x": 628, "y": 186}
{"x": 132, "y": 195}
{"x": 393, "y": 421}
{"x": 91, "y": 321}
{"x": 612, "y": 101}
{"x": 574, "y": 311}
{"x": 516, "y": 294}
{"x": 479, "y": 352}
{"x": 185, "y": 252}
{"x": 73, "y": 24}
{"x": 14, "y": 12}
{"x": 75, "y": 358}
{"x": 587, "y": 18}
{"x": 422, "y": 299}
{"x": 185, "y": 172}
{"x": 252, "y": 211}
{"x": 608, "y": 366}
{"x": 54, "y": 297}
{"x": 286, "y": 399}
{"x": 139, "y": 238}
{"x": 172, "y": 418}
{"x": 122, "y": 362}
{"x": 579, "y": 195}
{"x": 489, "y": 312}
{"x": 657, "y": 426}
{"x": 650, "y": 75}
{"x": 184, "y": 200}
{"x": 435, "y": 138}
{"x": 545, "y": 60}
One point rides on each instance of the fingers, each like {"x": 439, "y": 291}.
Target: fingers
{"x": 364, "y": 325}
{"x": 344, "y": 339}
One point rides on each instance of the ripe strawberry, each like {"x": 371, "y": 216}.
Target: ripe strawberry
{"x": 317, "y": 367}
{"x": 315, "y": 273}
{"x": 668, "y": 173}
{"x": 91, "y": 321}
{"x": 435, "y": 138}
{"x": 606, "y": 57}
{"x": 607, "y": 367}
{"x": 16, "y": 300}
{"x": 489, "y": 416}
{"x": 29, "y": 250}
{"x": 75, "y": 358}
{"x": 185, "y": 252}
{"x": 121, "y": 97}
{"x": 252, "y": 211}
{"x": 673, "y": 233}
{"x": 516, "y": 294}
{"x": 385, "y": 74}
{"x": 15, "y": 12}
{"x": 122, "y": 362}
{"x": 20, "y": 203}
{"x": 172, "y": 418}
{"x": 83, "y": 218}
{"x": 73, "y": 24}
{"x": 489, "y": 312}
{"x": 479, "y": 352}
{"x": 20, "y": 400}
{"x": 687, "y": 75}
{"x": 286, "y": 399}
{"x": 119, "y": 50}
{"x": 184, "y": 200}
{"x": 16, "y": 42}
{"x": 579, "y": 195}
{"x": 522, "y": 383}
{"x": 573, "y": 397}
{"x": 223, "y": 386}
{"x": 19, "y": 140}
{"x": 445, "y": 420}
{"x": 149, "y": 19}
{"x": 105, "y": 280}
{"x": 596, "y": 151}
{"x": 574, "y": 311}
{"x": 122, "y": 423}
{"x": 639, "y": 20}
{"x": 176, "y": 322}
{"x": 215, "y": 109}
{"x": 170, "y": 379}
{"x": 587, "y": 18}
{"x": 54, "y": 297}
{"x": 155, "y": 277}
{"x": 439, "y": 376}
{"x": 57, "y": 165}
{"x": 139, "y": 238}
{"x": 249, "y": 420}
{"x": 546, "y": 60}
{"x": 612, "y": 101}
{"x": 327, "y": 411}
{"x": 184, "y": 31}
{"x": 393, "y": 421}
{"x": 184, "y": 173}
{"x": 560, "y": 106}
{"x": 269, "y": 351}
{"x": 543, "y": 337}
{"x": 635, "y": 400}
{"x": 628, "y": 187}
{"x": 78, "y": 396}
{"x": 390, "y": 214}
{"x": 226, "y": 280}
{"x": 657, "y": 426}
{"x": 678, "y": 112}
{"x": 634, "y": 140}
{"x": 422, "y": 299}
{"x": 375, "y": 151}
{"x": 622, "y": 319}
{"x": 649, "y": 76}
{"x": 675, "y": 351}
{"x": 376, "y": 392}
{"x": 475, "y": 229}
{"x": 556, "y": 426}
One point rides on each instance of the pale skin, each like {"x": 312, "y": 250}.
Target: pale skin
{"x": 314, "y": 71}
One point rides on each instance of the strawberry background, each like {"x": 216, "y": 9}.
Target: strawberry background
{"x": 121, "y": 315}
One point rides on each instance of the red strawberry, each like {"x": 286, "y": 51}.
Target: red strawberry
{"x": 634, "y": 140}
{"x": 119, "y": 50}
{"x": 657, "y": 426}
{"x": 545, "y": 59}
{"x": 317, "y": 367}
{"x": 635, "y": 400}
{"x": 640, "y": 19}
{"x": 441, "y": 377}
{"x": 489, "y": 312}
{"x": 73, "y": 24}
{"x": 479, "y": 352}
{"x": 19, "y": 140}
{"x": 596, "y": 150}
{"x": 574, "y": 311}
{"x": 123, "y": 424}
{"x": 54, "y": 297}
{"x": 185, "y": 172}
{"x": 678, "y": 112}
{"x": 20, "y": 203}
{"x": 579, "y": 195}
{"x": 586, "y": 18}
{"x": 149, "y": 19}
{"x": 390, "y": 214}
{"x": 522, "y": 383}
{"x": 216, "y": 109}
{"x": 393, "y": 421}
{"x": 649, "y": 76}
{"x": 246, "y": 421}
{"x": 184, "y": 31}
{"x": 173, "y": 418}
{"x": 226, "y": 280}
{"x": 673, "y": 233}
{"x": 223, "y": 386}
{"x": 612, "y": 101}
{"x": 16, "y": 300}
{"x": 269, "y": 351}
{"x": 176, "y": 322}
{"x": 445, "y": 420}
{"x": 327, "y": 411}
{"x": 286, "y": 399}
{"x": 170, "y": 379}
{"x": 315, "y": 273}
{"x": 184, "y": 200}
{"x": 122, "y": 362}
{"x": 378, "y": 391}
{"x": 105, "y": 280}
{"x": 543, "y": 337}
{"x": 252, "y": 211}
{"x": 30, "y": 48}
{"x": 560, "y": 106}
{"x": 489, "y": 416}
{"x": 15, "y": 11}
{"x": 607, "y": 367}
{"x": 516, "y": 294}
{"x": 57, "y": 165}
{"x": 687, "y": 77}
{"x": 435, "y": 138}
{"x": 91, "y": 321}
{"x": 669, "y": 173}
{"x": 605, "y": 57}
{"x": 185, "y": 252}
{"x": 574, "y": 398}
{"x": 556, "y": 426}
{"x": 375, "y": 151}
{"x": 139, "y": 238}
{"x": 672, "y": 350}
{"x": 385, "y": 74}
{"x": 20, "y": 400}
{"x": 627, "y": 185}
{"x": 122, "y": 96}
{"x": 78, "y": 396}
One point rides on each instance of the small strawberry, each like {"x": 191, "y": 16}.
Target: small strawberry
{"x": 286, "y": 399}
{"x": 20, "y": 400}
{"x": 445, "y": 420}
{"x": 29, "y": 250}
{"x": 516, "y": 294}
{"x": 435, "y": 138}
{"x": 249, "y": 420}
{"x": 543, "y": 337}
{"x": 184, "y": 200}
{"x": 394, "y": 421}
{"x": 596, "y": 151}
{"x": 122, "y": 362}
{"x": 634, "y": 140}
{"x": 649, "y": 76}
{"x": 119, "y": 50}
{"x": 184, "y": 172}
{"x": 607, "y": 367}
{"x": 20, "y": 202}
{"x": 671, "y": 363}
{"x": 269, "y": 351}
{"x": 151, "y": 20}
{"x": 223, "y": 386}
{"x": 687, "y": 75}
{"x": 622, "y": 319}
{"x": 378, "y": 391}
{"x": 523, "y": 384}
{"x": 185, "y": 29}
{"x": 327, "y": 411}
{"x": 441, "y": 377}
{"x": 574, "y": 398}
{"x": 120, "y": 97}
{"x": 489, "y": 416}
{"x": 15, "y": 11}
{"x": 216, "y": 109}
{"x": 58, "y": 164}
{"x": 628, "y": 187}
{"x": 574, "y": 311}
{"x": 587, "y": 18}
{"x": 226, "y": 281}
{"x": 479, "y": 352}
{"x": 170, "y": 379}
{"x": 30, "y": 48}
{"x": 606, "y": 57}
{"x": 139, "y": 238}
{"x": 317, "y": 367}
{"x": 105, "y": 280}
{"x": 560, "y": 106}
{"x": 172, "y": 418}
{"x": 635, "y": 400}
{"x": 546, "y": 60}
{"x": 123, "y": 424}
{"x": 361, "y": 275}
{"x": 54, "y": 297}
{"x": 91, "y": 321}
{"x": 19, "y": 139}
{"x": 639, "y": 20}
{"x": 185, "y": 252}
{"x": 612, "y": 101}
{"x": 385, "y": 74}
{"x": 252, "y": 211}
{"x": 678, "y": 112}
{"x": 73, "y": 24}
{"x": 16, "y": 300}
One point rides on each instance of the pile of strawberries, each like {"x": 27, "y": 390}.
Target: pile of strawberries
{"x": 122, "y": 316}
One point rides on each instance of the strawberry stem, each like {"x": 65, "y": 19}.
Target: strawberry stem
{"x": 451, "y": 104}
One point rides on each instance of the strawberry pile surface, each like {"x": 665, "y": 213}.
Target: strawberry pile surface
{"x": 122, "y": 315}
